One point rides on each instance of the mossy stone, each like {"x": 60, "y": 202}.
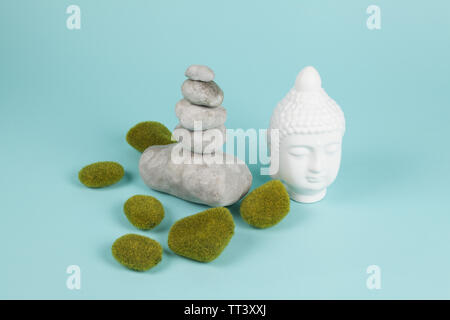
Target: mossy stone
{"x": 137, "y": 252}
{"x": 144, "y": 212}
{"x": 148, "y": 133}
{"x": 267, "y": 205}
{"x": 202, "y": 236}
{"x": 101, "y": 174}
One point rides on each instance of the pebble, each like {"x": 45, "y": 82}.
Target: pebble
{"x": 187, "y": 113}
{"x": 201, "y": 93}
{"x": 206, "y": 141}
{"x": 200, "y": 73}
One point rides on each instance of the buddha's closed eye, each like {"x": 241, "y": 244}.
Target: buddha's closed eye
{"x": 298, "y": 151}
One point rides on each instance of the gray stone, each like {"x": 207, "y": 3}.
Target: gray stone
{"x": 206, "y": 141}
{"x": 199, "y": 72}
{"x": 187, "y": 113}
{"x": 206, "y": 94}
{"x": 196, "y": 178}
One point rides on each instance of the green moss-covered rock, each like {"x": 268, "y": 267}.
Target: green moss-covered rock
{"x": 266, "y": 205}
{"x": 148, "y": 133}
{"x": 144, "y": 212}
{"x": 202, "y": 236}
{"x": 101, "y": 174}
{"x": 137, "y": 252}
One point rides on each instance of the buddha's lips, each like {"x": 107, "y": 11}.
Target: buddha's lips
{"x": 315, "y": 179}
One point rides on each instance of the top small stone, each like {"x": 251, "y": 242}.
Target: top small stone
{"x": 199, "y": 73}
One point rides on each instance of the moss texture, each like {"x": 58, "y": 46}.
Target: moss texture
{"x": 148, "y": 133}
{"x": 267, "y": 205}
{"x": 101, "y": 174}
{"x": 202, "y": 236}
{"x": 137, "y": 252}
{"x": 144, "y": 212}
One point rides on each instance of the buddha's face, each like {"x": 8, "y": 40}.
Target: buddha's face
{"x": 309, "y": 163}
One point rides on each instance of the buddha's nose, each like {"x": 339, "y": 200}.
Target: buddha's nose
{"x": 316, "y": 164}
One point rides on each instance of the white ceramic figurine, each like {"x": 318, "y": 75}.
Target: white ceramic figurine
{"x": 311, "y": 126}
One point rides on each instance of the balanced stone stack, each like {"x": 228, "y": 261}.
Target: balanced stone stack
{"x": 219, "y": 179}
{"x": 201, "y": 111}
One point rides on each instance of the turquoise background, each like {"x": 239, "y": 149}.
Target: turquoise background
{"x": 68, "y": 97}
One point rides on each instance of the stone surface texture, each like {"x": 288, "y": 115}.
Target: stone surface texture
{"x": 206, "y": 94}
{"x": 200, "y": 73}
{"x": 206, "y": 141}
{"x": 187, "y": 113}
{"x": 213, "y": 184}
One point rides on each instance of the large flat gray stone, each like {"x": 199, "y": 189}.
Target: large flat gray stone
{"x": 202, "y": 180}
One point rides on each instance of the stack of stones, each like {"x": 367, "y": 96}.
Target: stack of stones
{"x": 201, "y": 110}
{"x": 214, "y": 183}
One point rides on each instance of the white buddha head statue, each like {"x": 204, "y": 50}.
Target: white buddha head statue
{"x": 310, "y": 127}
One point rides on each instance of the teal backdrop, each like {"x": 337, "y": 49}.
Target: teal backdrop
{"x": 68, "y": 98}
